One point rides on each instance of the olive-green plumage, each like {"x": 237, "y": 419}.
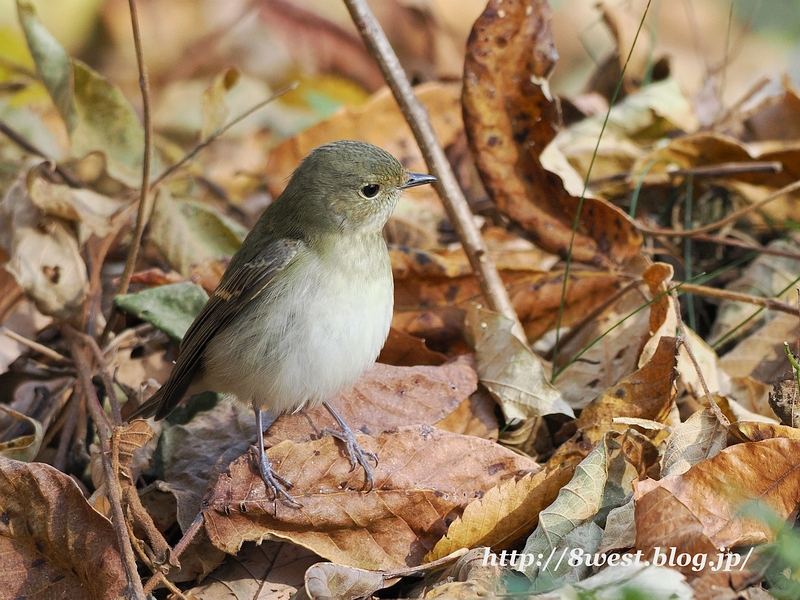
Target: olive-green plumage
{"x": 305, "y": 304}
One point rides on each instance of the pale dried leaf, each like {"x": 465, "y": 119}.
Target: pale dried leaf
{"x": 509, "y": 370}
{"x": 700, "y": 437}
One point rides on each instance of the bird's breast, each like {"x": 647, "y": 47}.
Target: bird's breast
{"x": 319, "y": 325}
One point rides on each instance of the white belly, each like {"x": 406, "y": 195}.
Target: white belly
{"x": 318, "y": 327}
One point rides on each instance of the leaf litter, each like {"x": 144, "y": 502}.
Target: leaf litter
{"x": 593, "y": 434}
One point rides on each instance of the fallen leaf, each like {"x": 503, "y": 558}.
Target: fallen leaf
{"x": 714, "y": 493}
{"x": 700, "y": 437}
{"x": 511, "y": 372}
{"x": 504, "y": 514}
{"x": 44, "y": 255}
{"x": 189, "y": 233}
{"x": 423, "y": 479}
{"x": 510, "y": 117}
{"x": 53, "y": 543}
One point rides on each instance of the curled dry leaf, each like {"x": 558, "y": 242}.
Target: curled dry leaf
{"x": 510, "y": 117}
{"x": 27, "y": 434}
{"x": 53, "y": 544}
{"x": 328, "y": 580}
{"x": 648, "y": 393}
{"x": 44, "y": 255}
{"x": 618, "y": 341}
{"x": 716, "y": 494}
{"x": 423, "y": 480}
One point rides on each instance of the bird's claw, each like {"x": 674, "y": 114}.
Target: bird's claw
{"x": 356, "y": 454}
{"x": 276, "y": 484}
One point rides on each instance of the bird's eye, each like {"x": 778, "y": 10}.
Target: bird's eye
{"x": 370, "y": 190}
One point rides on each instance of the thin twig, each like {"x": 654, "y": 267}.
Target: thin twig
{"x": 182, "y": 544}
{"x": 715, "y": 239}
{"x": 29, "y": 147}
{"x": 735, "y": 216}
{"x": 41, "y": 349}
{"x": 219, "y": 132}
{"x": 683, "y": 339}
{"x": 768, "y": 303}
{"x": 104, "y": 433}
{"x": 108, "y": 382}
{"x": 67, "y": 431}
{"x": 711, "y": 171}
{"x": 144, "y": 208}
{"x": 455, "y": 204}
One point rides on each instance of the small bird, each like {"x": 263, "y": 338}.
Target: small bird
{"x": 305, "y": 304}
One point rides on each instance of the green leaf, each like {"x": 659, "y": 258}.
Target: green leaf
{"x": 52, "y": 61}
{"x": 171, "y": 308}
{"x": 190, "y": 233}
{"x": 98, "y": 116}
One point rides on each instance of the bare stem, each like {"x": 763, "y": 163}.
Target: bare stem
{"x": 104, "y": 433}
{"x": 683, "y": 340}
{"x": 768, "y": 303}
{"x": 144, "y": 208}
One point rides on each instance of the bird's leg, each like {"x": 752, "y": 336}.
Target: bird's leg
{"x": 274, "y": 482}
{"x": 354, "y": 451}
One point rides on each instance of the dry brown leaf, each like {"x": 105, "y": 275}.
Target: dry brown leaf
{"x": 663, "y": 521}
{"x": 620, "y": 339}
{"x": 269, "y": 571}
{"x": 754, "y": 431}
{"x": 714, "y": 493}
{"x": 648, "y": 393}
{"x": 405, "y": 350}
{"x": 510, "y": 117}
{"x": 328, "y": 580}
{"x": 433, "y": 291}
{"x": 474, "y": 416}
{"x": 424, "y": 479}
{"x": 386, "y": 397}
{"x": 53, "y": 544}
{"x": 44, "y": 255}
{"x": 11, "y": 294}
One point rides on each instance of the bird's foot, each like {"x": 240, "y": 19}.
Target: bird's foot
{"x": 356, "y": 454}
{"x": 276, "y": 484}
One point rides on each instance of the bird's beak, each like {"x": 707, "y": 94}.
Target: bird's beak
{"x": 415, "y": 179}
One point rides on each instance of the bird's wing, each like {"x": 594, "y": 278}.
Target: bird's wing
{"x": 236, "y": 290}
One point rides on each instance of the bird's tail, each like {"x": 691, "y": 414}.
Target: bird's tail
{"x": 149, "y": 408}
